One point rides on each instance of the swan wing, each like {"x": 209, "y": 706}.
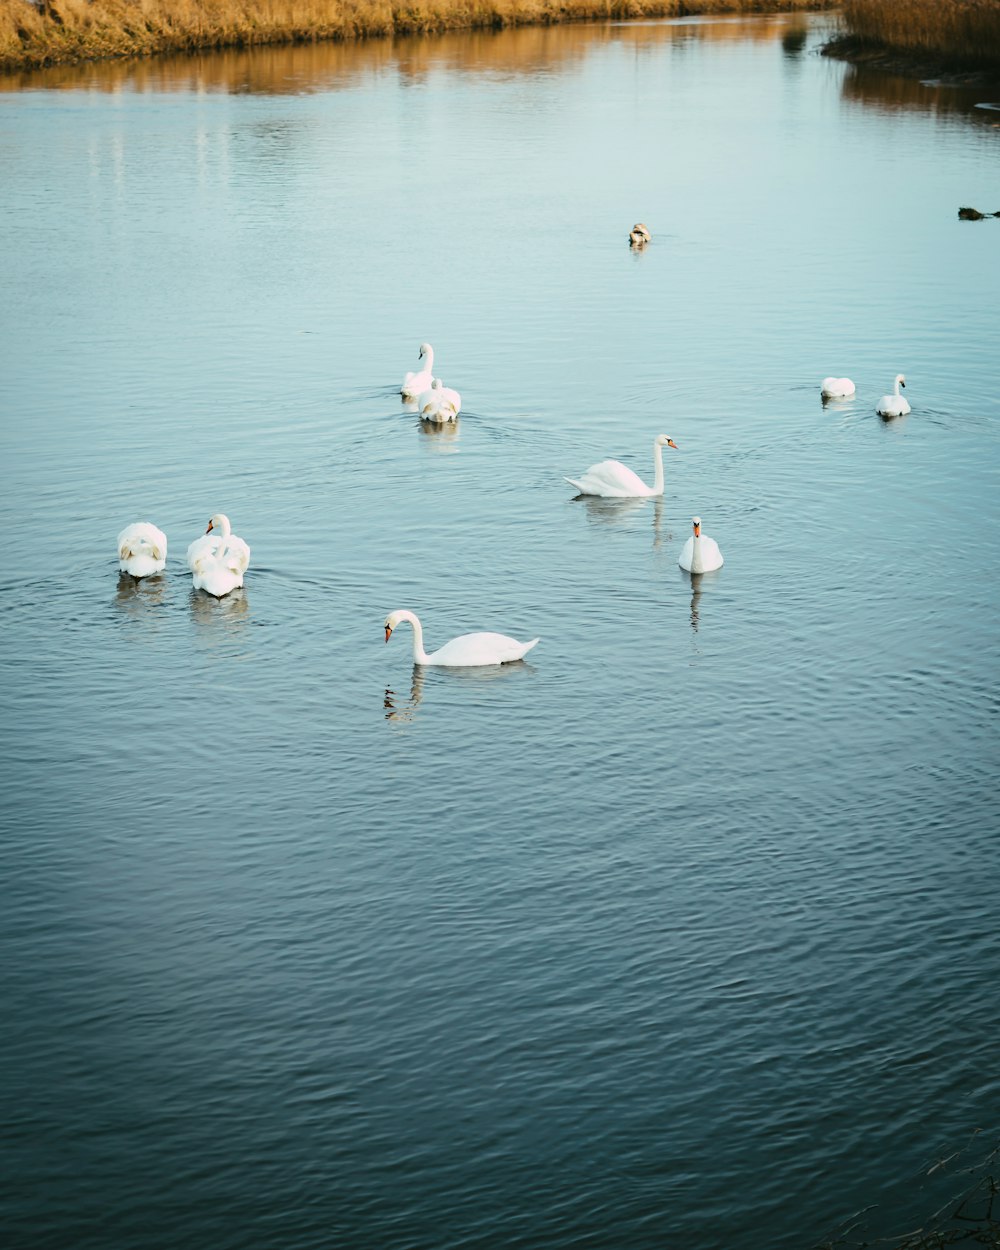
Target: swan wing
{"x": 469, "y": 650}
{"x": 612, "y": 479}
{"x": 142, "y": 538}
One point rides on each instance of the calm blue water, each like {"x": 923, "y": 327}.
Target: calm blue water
{"x": 684, "y": 932}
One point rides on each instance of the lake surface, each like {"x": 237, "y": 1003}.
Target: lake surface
{"x": 683, "y": 932}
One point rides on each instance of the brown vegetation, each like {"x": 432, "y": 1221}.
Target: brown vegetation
{"x": 959, "y": 33}
{"x": 51, "y": 32}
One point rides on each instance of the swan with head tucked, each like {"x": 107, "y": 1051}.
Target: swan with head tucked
{"x": 218, "y": 559}
{"x": 466, "y": 651}
{"x": 440, "y": 403}
{"x": 639, "y": 235}
{"x": 700, "y": 554}
{"x": 142, "y": 549}
{"x": 613, "y": 480}
{"x": 416, "y": 383}
{"x": 894, "y": 405}
{"x": 837, "y": 388}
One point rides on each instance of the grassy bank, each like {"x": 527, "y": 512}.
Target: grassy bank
{"x": 958, "y": 34}
{"x": 64, "y": 31}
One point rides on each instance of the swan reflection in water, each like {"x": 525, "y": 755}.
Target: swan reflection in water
{"x": 601, "y": 511}
{"x": 219, "y": 619}
{"x": 136, "y": 595}
{"x": 402, "y": 708}
{"x": 442, "y": 435}
{"x": 695, "y": 597}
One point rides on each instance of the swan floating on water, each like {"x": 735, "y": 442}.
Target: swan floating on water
{"x": 837, "y": 388}
{"x": 415, "y": 384}
{"x": 466, "y": 651}
{"x": 639, "y": 235}
{"x": 142, "y": 549}
{"x": 700, "y": 554}
{"x": 613, "y": 480}
{"x": 440, "y": 403}
{"x": 894, "y": 405}
{"x": 218, "y": 563}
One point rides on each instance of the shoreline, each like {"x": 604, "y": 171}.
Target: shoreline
{"x": 937, "y": 67}
{"x": 38, "y": 34}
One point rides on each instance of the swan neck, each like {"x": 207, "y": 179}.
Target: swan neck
{"x": 419, "y": 654}
{"x": 697, "y": 566}
{"x": 658, "y": 469}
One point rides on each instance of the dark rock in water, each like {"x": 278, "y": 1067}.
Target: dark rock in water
{"x": 970, "y": 214}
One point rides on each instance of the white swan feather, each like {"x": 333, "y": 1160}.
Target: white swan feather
{"x": 219, "y": 558}
{"x": 894, "y": 405}
{"x": 614, "y": 480}
{"x": 439, "y": 403}
{"x": 837, "y": 388}
{"x": 415, "y": 383}
{"x": 700, "y": 554}
{"x": 142, "y": 549}
{"x": 466, "y": 651}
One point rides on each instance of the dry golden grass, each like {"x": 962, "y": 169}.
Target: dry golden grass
{"x": 963, "y": 32}
{"x": 63, "y": 31}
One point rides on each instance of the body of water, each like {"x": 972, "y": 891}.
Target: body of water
{"x": 684, "y": 931}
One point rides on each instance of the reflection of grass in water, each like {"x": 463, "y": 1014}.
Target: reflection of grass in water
{"x": 970, "y": 1215}
{"x": 61, "y": 31}
{"x": 965, "y": 32}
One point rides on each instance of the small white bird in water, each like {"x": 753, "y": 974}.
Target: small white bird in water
{"x": 700, "y": 554}
{"x": 466, "y": 651}
{"x": 440, "y": 403}
{"x": 894, "y": 405}
{"x": 639, "y": 235}
{"x": 416, "y": 383}
{"x": 142, "y": 549}
{"x": 837, "y": 388}
{"x": 219, "y": 558}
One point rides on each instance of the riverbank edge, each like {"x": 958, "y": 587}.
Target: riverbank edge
{"x": 53, "y": 33}
{"x": 940, "y": 68}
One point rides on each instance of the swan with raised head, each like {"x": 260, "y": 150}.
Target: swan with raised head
{"x": 142, "y": 549}
{"x": 700, "y": 554}
{"x": 837, "y": 388}
{"x": 466, "y": 651}
{"x": 417, "y": 382}
{"x": 219, "y": 558}
{"x": 639, "y": 235}
{"x": 440, "y": 403}
{"x": 894, "y": 405}
{"x": 613, "y": 480}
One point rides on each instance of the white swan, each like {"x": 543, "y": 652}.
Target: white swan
{"x": 700, "y": 554}
{"x": 466, "y": 651}
{"x": 894, "y": 405}
{"x": 639, "y": 235}
{"x": 837, "y": 388}
{"x": 142, "y": 549}
{"x": 415, "y": 384}
{"x": 218, "y": 563}
{"x": 440, "y": 403}
{"x": 613, "y": 480}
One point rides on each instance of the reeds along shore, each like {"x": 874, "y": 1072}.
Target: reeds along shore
{"x": 35, "y": 33}
{"x": 960, "y": 32}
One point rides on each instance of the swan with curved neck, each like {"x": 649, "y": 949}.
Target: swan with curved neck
{"x": 440, "y": 403}
{"x": 142, "y": 549}
{"x": 700, "y": 554}
{"x": 466, "y": 651}
{"x": 837, "y": 388}
{"x": 894, "y": 405}
{"x": 613, "y": 480}
{"x": 417, "y": 382}
{"x": 219, "y": 558}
